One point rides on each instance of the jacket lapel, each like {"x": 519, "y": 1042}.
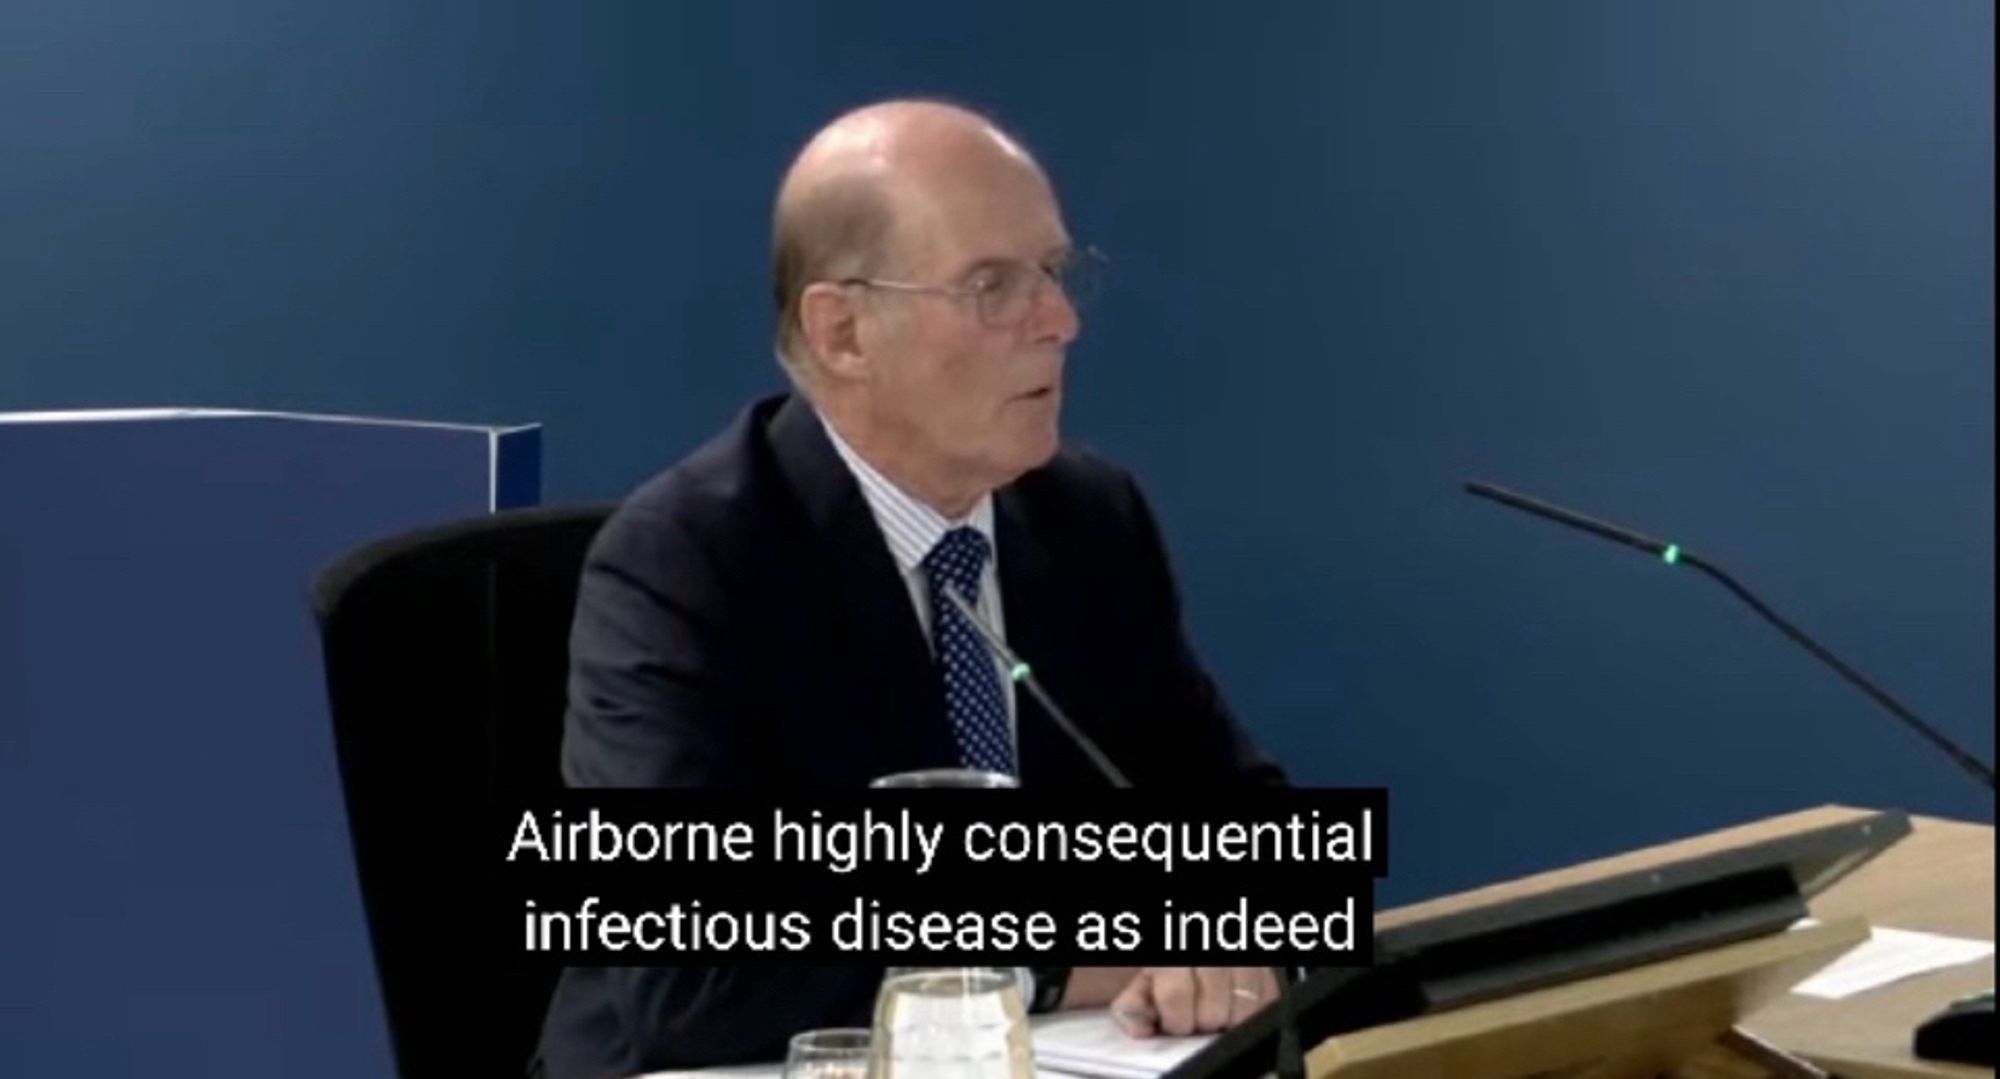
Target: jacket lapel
{"x": 1031, "y": 594}
{"x": 881, "y": 643}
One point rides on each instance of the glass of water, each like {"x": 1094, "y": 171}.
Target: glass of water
{"x": 839, "y": 1053}
{"x": 947, "y": 779}
{"x": 951, "y": 1023}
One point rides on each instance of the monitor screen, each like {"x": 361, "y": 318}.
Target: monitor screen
{"x": 1575, "y": 923}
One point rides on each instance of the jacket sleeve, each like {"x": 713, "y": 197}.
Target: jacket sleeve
{"x": 659, "y": 697}
{"x": 619, "y": 1022}
{"x": 656, "y": 683}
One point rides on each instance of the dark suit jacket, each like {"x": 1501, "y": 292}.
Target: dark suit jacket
{"x": 741, "y": 623}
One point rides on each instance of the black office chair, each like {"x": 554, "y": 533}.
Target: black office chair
{"x": 446, "y": 656}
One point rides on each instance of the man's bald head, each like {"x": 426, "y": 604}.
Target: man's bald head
{"x": 859, "y": 183}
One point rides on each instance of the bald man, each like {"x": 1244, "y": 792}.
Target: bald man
{"x": 769, "y": 613}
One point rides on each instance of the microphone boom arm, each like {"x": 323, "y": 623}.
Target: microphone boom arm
{"x": 1023, "y": 675}
{"x": 1673, "y": 554}
{"x": 1290, "y": 1061}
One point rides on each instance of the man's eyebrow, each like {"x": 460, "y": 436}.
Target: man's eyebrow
{"x": 990, "y": 262}
{"x": 1055, "y": 253}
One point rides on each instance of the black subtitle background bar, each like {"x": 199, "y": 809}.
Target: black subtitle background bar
{"x": 730, "y": 896}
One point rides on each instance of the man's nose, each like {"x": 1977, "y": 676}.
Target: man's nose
{"x": 1054, "y": 320}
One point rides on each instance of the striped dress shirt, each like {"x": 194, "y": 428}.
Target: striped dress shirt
{"x": 912, "y": 528}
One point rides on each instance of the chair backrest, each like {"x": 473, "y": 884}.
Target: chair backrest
{"x": 447, "y": 652}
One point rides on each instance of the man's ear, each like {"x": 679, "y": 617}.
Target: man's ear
{"x": 829, "y": 320}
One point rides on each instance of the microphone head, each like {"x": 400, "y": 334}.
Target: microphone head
{"x": 1016, "y": 670}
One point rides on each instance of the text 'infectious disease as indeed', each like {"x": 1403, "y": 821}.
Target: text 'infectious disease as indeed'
{"x": 903, "y": 837}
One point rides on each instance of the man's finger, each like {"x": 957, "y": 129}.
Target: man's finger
{"x": 1212, "y": 998}
{"x": 1251, "y": 988}
{"x": 1174, "y": 998}
{"x": 1133, "y": 1010}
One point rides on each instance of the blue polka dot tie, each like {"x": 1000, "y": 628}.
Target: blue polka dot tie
{"x": 972, "y": 693}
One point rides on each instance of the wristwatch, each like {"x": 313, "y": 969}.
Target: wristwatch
{"x": 1043, "y": 988}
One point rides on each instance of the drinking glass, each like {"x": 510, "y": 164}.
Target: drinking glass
{"x": 950, "y": 1023}
{"x": 838, "y": 1053}
{"x": 946, "y": 779}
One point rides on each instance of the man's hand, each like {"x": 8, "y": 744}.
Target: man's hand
{"x": 1192, "y": 1000}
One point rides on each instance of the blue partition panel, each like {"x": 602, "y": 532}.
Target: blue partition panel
{"x": 179, "y": 896}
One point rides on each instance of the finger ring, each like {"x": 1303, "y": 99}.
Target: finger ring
{"x": 1246, "y": 994}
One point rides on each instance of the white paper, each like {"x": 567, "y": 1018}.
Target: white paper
{"x": 1090, "y": 1044}
{"x": 739, "y": 1071}
{"x": 1890, "y": 955}
{"x": 777, "y": 1071}
{"x": 1068, "y": 1045}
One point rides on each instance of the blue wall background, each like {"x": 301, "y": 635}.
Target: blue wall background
{"x": 1721, "y": 271}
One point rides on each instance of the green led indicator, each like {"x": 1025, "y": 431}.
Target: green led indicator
{"x": 1019, "y": 673}
{"x": 1672, "y": 554}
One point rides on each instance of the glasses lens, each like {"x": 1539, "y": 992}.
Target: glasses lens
{"x": 1006, "y": 302}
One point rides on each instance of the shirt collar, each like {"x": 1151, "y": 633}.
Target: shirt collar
{"x": 910, "y": 525}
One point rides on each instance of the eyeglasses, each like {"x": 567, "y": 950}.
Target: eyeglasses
{"x": 1004, "y": 292}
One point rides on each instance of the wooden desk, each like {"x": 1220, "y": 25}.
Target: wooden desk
{"x": 1939, "y": 879}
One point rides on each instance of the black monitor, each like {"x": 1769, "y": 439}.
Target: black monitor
{"x": 1561, "y": 932}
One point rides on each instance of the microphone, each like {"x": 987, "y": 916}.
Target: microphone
{"x": 1291, "y": 1061}
{"x": 1674, "y": 554}
{"x": 1023, "y": 675}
